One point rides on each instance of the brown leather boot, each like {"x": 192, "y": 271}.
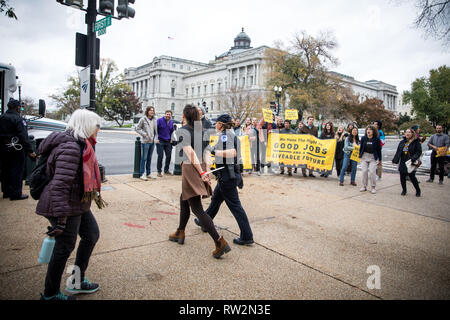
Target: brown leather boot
{"x": 221, "y": 249}
{"x": 178, "y": 236}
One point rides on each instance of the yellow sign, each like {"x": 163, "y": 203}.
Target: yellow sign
{"x": 302, "y": 151}
{"x": 442, "y": 152}
{"x": 355, "y": 153}
{"x": 291, "y": 114}
{"x": 245, "y": 151}
{"x": 268, "y": 116}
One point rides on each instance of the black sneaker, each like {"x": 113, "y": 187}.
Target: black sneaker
{"x": 418, "y": 193}
{"x": 198, "y": 223}
{"x": 403, "y": 193}
{"x": 59, "y": 297}
{"x": 85, "y": 287}
{"x": 241, "y": 242}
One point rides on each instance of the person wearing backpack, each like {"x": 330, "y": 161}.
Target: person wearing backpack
{"x": 66, "y": 201}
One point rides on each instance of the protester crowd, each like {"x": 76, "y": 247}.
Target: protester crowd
{"x": 75, "y": 181}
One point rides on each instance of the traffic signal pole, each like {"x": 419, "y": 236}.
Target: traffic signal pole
{"x": 91, "y": 17}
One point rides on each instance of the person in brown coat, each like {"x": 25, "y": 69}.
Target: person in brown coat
{"x": 309, "y": 128}
{"x": 196, "y": 183}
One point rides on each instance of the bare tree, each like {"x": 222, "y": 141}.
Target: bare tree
{"x": 9, "y": 11}
{"x": 434, "y": 18}
{"x": 242, "y": 104}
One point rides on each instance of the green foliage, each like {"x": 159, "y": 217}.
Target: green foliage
{"x": 425, "y": 126}
{"x": 121, "y": 104}
{"x": 402, "y": 119}
{"x": 430, "y": 97}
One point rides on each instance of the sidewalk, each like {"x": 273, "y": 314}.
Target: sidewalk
{"x": 313, "y": 240}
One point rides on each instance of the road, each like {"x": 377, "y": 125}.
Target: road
{"x": 115, "y": 151}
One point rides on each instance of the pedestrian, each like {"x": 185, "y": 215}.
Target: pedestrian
{"x": 350, "y": 127}
{"x": 440, "y": 143}
{"x": 227, "y": 155}
{"x": 250, "y": 132}
{"x": 264, "y": 129}
{"x": 237, "y": 128}
{"x": 309, "y": 128}
{"x": 286, "y": 130}
{"x": 416, "y": 130}
{"x": 196, "y": 181}
{"x": 164, "y": 142}
{"x": 378, "y": 125}
{"x": 349, "y": 144}
{"x": 66, "y": 200}
{"x": 370, "y": 155}
{"x": 256, "y": 148}
{"x": 14, "y": 146}
{"x": 327, "y": 133}
{"x": 206, "y": 123}
{"x": 339, "y": 153}
{"x": 147, "y": 128}
{"x": 300, "y": 126}
{"x": 408, "y": 149}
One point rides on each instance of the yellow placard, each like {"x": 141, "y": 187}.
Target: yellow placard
{"x": 302, "y": 151}
{"x": 245, "y": 151}
{"x": 291, "y": 114}
{"x": 268, "y": 116}
{"x": 355, "y": 154}
{"x": 442, "y": 152}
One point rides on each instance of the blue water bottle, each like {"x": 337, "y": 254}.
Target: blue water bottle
{"x": 46, "y": 250}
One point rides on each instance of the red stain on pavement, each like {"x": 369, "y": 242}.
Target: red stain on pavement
{"x": 153, "y": 219}
{"x": 134, "y": 225}
{"x": 169, "y": 213}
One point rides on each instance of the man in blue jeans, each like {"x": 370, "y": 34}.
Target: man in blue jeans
{"x": 164, "y": 142}
{"x": 147, "y": 129}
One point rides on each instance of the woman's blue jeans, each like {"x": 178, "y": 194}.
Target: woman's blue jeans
{"x": 345, "y": 164}
{"x": 146, "y": 157}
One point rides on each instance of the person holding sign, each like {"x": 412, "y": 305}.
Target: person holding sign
{"x": 195, "y": 180}
{"x": 309, "y": 128}
{"x": 350, "y": 142}
{"x": 409, "y": 149}
{"x": 440, "y": 143}
{"x": 370, "y": 155}
{"x": 287, "y": 130}
{"x": 227, "y": 154}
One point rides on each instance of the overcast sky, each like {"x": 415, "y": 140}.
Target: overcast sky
{"x": 376, "y": 38}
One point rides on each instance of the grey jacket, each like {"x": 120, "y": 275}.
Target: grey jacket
{"x": 439, "y": 140}
{"x": 147, "y": 129}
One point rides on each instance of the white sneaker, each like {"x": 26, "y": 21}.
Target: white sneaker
{"x": 363, "y": 189}
{"x": 144, "y": 177}
{"x": 373, "y": 191}
{"x": 151, "y": 177}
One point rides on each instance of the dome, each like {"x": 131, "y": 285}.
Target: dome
{"x": 242, "y": 41}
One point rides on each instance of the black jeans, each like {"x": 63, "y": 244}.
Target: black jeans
{"x": 412, "y": 177}
{"x": 163, "y": 147}
{"x": 338, "y": 163}
{"x": 13, "y": 167}
{"x": 227, "y": 191}
{"x": 195, "y": 203}
{"x": 85, "y": 226}
{"x": 434, "y": 162}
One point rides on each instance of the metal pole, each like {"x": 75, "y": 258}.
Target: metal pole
{"x": 91, "y": 17}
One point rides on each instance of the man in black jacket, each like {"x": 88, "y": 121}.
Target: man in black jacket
{"x": 14, "y": 143}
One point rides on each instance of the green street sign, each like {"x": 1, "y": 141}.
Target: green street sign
{"x": 101, "y": 32}
{"x": 102, "y": 24}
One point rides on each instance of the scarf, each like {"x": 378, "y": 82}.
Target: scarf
{"x": 91, "y": 175}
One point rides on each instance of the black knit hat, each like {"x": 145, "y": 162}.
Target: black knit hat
{"x": 13, "y": 103}
{"x": 224, "y": 118}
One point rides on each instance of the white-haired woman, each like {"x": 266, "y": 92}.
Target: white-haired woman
{"x": 66, "y": 201}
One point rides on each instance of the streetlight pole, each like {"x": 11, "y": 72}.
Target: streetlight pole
{"x": 19, "y": 85}
{"x": 278, "y": 96}
{"x": 91, "y": 16}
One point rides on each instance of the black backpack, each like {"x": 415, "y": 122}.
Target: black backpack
{"x": 38, "y": 177}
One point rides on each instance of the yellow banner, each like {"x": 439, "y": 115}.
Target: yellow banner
{"x": 268, "y": 116}
{"x": 245, "y": 151}
{"x": 291, "y": 114}
{"x": 355, "y": 153}
{"x": 302, "y": 151}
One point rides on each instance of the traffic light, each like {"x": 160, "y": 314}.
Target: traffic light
{"x": 72, "y": 3}
{"x": 124, "y": 10}
{"x": 106, "y": 7}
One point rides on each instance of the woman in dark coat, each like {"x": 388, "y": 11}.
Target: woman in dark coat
{"x": 196, "y": 182}
{"x": 66, "y": 201}
{"x": 339, "y": 154}
{"x": 408, "y": 149}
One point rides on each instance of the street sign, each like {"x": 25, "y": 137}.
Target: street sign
{"x": 102, "y": 24}
{"x": 84, "y": 87}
